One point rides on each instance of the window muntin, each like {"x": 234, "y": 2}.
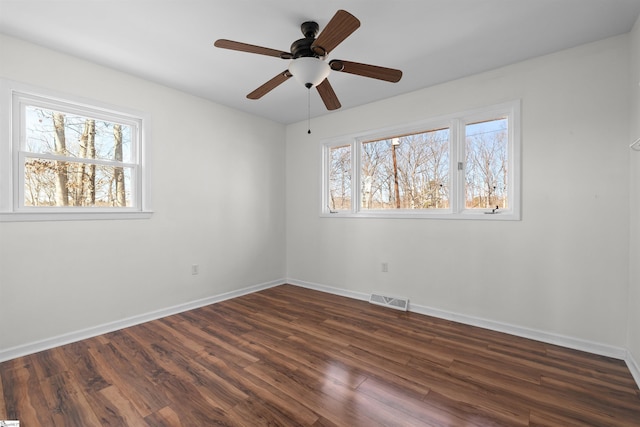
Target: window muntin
{"x": 465, "y": 165}
{"x": 65, "y": 158}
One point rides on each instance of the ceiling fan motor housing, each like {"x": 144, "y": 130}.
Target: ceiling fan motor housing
{"x": 302, "y": 47}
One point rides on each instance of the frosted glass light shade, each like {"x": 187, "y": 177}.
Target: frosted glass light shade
{"x": 309, "y": 71}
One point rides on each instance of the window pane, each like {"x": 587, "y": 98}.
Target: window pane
{"x": 54, "y": 132}
{"x": 407, "y": 172}
{"x": 53, "y": 183}
{"x": 340, "y": 178}
{"x": 486, "y": 164}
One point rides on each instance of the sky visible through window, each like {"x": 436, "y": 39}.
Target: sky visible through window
{"x": 41, "y": 134}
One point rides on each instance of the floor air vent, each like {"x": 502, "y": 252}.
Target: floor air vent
{"x": 391, "y": 302}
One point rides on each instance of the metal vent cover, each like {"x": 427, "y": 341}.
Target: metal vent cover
{"x": 391, "y": 302}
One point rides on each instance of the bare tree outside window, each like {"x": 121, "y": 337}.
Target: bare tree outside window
{"x": 60, "y": 168}
{"x": 486, "y": 168}
{"x": 119, "y": 176}
{"x": 71, "y": 160}
{"x": 340, "y": 178}
{"x": 406, "y": 172}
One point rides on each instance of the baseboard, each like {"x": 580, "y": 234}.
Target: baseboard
{"x": 34, "y": 347}
{"x": 538, "y": 335}
{"x": 329, "y": 289}
{"x": 634, "y": 367}
{"x": 533, "y": 334}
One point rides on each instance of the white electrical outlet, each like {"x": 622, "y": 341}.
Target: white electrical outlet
{"x": 385, "y": 267}
{"x": 195, "y": 269}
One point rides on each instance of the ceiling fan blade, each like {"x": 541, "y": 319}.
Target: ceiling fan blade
{"x": 339, "y": 28}
{"x": 365, "y": 70}
{"x": 244, "y": 47}
{"x": 270, "y": 85}
{"x": 328, "y": 95}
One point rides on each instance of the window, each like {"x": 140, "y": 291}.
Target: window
{"x": 70, "y": 159}
{"x": 406, "y": 172}
{"x": 340, "y": 177}
{"x": 463, "y": 166}
{"x": 486, "y": 170}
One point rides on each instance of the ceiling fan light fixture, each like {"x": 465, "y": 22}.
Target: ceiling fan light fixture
{"x": 307, "y": 59}
{"x": 309, "y": 71}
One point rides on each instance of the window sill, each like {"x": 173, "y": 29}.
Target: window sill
{"x": 474, "y": 216}
{"x": 72, "y": 216}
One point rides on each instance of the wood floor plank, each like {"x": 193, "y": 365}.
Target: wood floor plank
{"x": 47, "y": 363}
{"x": 511, "y": 392}
{"x": 289, "y": 356}
{"x": 120, "y": 400}
{"x": 541, "y": 418}
{"x": 472, "y": 400}
{"x": 197, "y": 408}
{"x": 255, "y": 412}
{"x": 182, "y": 368}
{"x": 66, "y": 403}
{"x": 24, "y": 398}
{"x": 414, "y": 409}
{"x": 192, "y": 338}
{"x": 133, "y": 378}
{"x": 256, "y": 388}
{"x": 337, "y": 406}
{"x": 214, "y": 344}
{"x": 165, "y": 417}
{"x": 80, "y": 362}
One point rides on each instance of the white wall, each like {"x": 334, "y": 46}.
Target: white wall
{"x": 563, "y": 269}
{"x": 634, "y": 253}
{"x": 217, "y": 180}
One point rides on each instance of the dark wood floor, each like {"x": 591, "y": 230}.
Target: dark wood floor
{"x": 290, "y": 356}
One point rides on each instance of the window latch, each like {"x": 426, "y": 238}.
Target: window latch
{"x": 493, "y": 211}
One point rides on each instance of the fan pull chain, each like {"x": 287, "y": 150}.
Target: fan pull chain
{"x": 309, "y": 111}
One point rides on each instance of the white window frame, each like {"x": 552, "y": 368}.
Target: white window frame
{"x": 456, "y": 123}
{"x": 14, "y": 97}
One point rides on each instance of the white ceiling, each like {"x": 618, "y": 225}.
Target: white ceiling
{"x": 431, "y": 41}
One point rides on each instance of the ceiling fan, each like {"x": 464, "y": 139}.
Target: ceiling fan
{"x": 308, "y": 59}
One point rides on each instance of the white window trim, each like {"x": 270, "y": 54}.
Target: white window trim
{"x": 456, "y": 123}
{"x": 12, "y": 208}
